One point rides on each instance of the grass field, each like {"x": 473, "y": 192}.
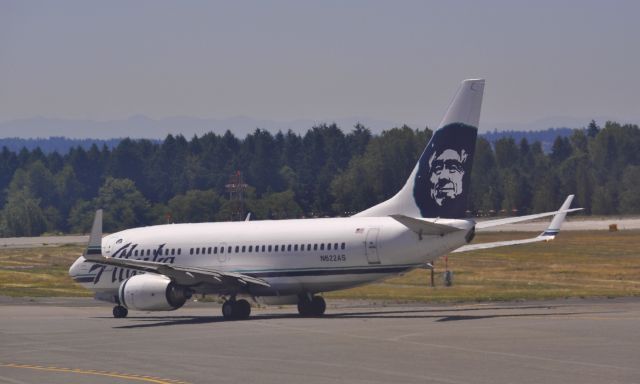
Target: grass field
{"x": 576, "y": 264}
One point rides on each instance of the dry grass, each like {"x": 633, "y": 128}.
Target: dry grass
{"x": 39, "y": 272}
{"x": 576, "y": 264}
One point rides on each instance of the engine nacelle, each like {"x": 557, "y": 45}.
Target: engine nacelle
{"x": 150, "y": 292}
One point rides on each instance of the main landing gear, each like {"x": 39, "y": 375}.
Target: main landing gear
{"x": 120, "y": 312}
{"x": 236, "y": 309}
{"x": 311, "y": 306}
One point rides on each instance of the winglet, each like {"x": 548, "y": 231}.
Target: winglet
{"x": 94, "y": 248}
{"x": 555, "y": 225}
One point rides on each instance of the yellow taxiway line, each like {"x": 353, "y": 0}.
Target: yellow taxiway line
{"x": 118, "y": 375}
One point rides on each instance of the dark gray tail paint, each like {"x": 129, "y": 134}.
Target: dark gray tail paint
{"x": 443, "y": 179}
{"x": 439, "y": 183}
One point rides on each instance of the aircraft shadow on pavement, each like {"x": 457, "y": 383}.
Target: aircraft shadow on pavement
{"x": 440, "y": 315}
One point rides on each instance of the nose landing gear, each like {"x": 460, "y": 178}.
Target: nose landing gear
{"x": 120, "y": 312}
{"x": 311, "y": 306}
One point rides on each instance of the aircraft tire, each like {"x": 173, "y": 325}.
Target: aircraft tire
{"x": 228, "y": 310}
{"x": 314, "y": 307}
{"x": 318, "y": 306}
{"x": 304, "y": 307}
{"x": 241, "y": 309}
{"x": 120, "y": 312}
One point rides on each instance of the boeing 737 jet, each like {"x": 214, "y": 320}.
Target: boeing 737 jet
{"x": 158, "y": 268}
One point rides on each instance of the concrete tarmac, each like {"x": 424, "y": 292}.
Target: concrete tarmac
{"x": 566, "y": 341}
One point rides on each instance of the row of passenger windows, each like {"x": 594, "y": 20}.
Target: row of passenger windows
{"x": 267, "y": 248}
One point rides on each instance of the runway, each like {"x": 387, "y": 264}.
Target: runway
{"x": 572, "y": 341}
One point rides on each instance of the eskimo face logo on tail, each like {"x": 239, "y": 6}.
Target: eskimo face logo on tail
{"x": 444, "y": 171}
{"x": 447, "y": 173}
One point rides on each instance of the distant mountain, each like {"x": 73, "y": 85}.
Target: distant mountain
{"x": 145, "y": 127}
{"x": 64, "y": 144}
{"x": 54, "y": 144}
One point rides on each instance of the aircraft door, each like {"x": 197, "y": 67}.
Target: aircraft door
{"x": 223, "y": 255}
{"x": 371, "y": 246}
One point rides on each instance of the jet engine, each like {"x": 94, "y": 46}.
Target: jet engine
{"x": 149, "y": 292}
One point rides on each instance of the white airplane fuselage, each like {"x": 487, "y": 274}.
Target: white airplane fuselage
{"x": 303, "y": 256}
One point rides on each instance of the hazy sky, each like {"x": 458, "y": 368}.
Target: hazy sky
{"x": 399, "y": 61}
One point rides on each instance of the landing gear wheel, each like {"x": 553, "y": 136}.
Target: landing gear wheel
{"x": 318, "y": 305}
{"x": 242, "y": 309}
{"x": 227, "y": 310}
{"x": 236, "y": 309}
{"x": 120, "y": 312}
{"x": 314, "y": 307}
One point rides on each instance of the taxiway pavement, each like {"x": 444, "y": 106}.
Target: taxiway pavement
{"x": 567, "y": 341}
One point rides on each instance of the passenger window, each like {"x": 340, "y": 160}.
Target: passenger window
{"x": 308, "y": 247}
{"x": 179, "y": 249}
{"x": 315, "y": 247}
{"x": 343, "y": 245}
{"x": 295, "y": 247}
{"x": 221, "y": 249}
{"x": 135, "y": 253}
{"x": 215, "y": 250}
{"x": 322, "y": 246}
{"x": 276, "y": 248}
{"x": 197, "y": 251}
{"x": 173, "y": 251}
{"x": 269, "y": 248}
{"x": 237, "y": 248}
{"x": 335, "y": 246}
{"x": 191, "y": 251}
{"x": 229, "y": 249}
{"x": 329, "y": 246}
{"x": 282, "y": 248}
{"x": 209, "y": 250}
{"x": 289, "y": 247}
{"x": 250, "y": 248}
{"x": 244, "y": 248}
{"x": 263, "y": 247}
{"x": 203, "y": 250}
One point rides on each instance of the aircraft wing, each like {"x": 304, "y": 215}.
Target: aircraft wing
{"x": 548, "y": 234}
{"x": 183, "y": 275}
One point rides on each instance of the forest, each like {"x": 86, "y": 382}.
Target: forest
{"x": 324, "y": 172}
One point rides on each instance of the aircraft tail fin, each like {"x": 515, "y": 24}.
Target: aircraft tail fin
{"x": 440, "y": 181}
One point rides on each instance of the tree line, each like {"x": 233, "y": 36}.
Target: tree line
{"x": 324, "y": 172}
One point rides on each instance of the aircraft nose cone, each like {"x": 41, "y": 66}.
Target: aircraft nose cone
{"x": 73, "y": 269}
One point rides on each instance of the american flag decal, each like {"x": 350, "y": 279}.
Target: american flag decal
{"x": 359, "y": 230}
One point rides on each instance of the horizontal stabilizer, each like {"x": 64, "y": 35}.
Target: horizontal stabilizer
{"x": 519, "y": 219}
{"x": 422, "y": 227}
{"x": 548, "y": 234}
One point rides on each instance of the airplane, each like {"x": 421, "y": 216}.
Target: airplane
{"x": 159, "y": 268}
